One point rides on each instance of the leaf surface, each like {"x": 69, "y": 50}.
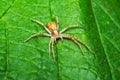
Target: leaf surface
{"x": 30, "y": 61}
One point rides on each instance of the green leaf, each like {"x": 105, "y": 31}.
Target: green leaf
{"x": 30, "y": 61}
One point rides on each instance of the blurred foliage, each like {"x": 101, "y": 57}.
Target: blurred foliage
{"x": 30, "y": 61}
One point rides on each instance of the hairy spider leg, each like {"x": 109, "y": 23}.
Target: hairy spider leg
{"x": 36, "y": 34}
{"x": 50, "y": 47}
{"x": 72, "y": 38}
{"x": 79, "y": 46}
{"x": 76, "y": 41}
{"x": 84, "y": 45}
{"x": 40, "y": 23}
{"x": 53, "y": 49}
{"x": 69, "y": 27}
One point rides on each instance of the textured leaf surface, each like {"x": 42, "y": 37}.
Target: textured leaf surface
{"x": 30, "y": 61}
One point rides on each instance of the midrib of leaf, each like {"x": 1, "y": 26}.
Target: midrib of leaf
{"x": 50, "y": 10}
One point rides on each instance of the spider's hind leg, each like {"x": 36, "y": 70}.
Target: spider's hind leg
{"x": 85, "y": 45}
{"x": 77, "y": 41}
{"x": 79, "y": 46}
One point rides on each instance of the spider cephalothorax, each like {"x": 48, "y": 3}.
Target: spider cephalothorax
{"x": 52, "y": 31}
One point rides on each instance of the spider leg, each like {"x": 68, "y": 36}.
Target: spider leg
{"x": 69, "y": 27}
{"x": 36, "y": 34}
{"x": 53, "y": 49}
{"x": 79, "y": 46}
{"x": 84, "y": 45}
{"x": 76, "y": 40}
{"x": 40, "y": 23}
{"x": 49, "y": 47}
{"x": 57, "y": 22}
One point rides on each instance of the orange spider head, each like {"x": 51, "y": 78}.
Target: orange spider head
{"x": 51, "y": 26}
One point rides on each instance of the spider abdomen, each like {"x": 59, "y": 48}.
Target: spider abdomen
{"x": 51, "y": 26}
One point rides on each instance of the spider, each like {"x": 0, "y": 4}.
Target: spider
{"x": 52, "y": 29}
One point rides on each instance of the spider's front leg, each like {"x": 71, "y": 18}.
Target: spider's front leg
{"x": 36, "y": 34}
{"x": 40, "y": 23}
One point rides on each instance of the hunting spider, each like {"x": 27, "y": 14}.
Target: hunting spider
{"x": 52, "y": 29}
